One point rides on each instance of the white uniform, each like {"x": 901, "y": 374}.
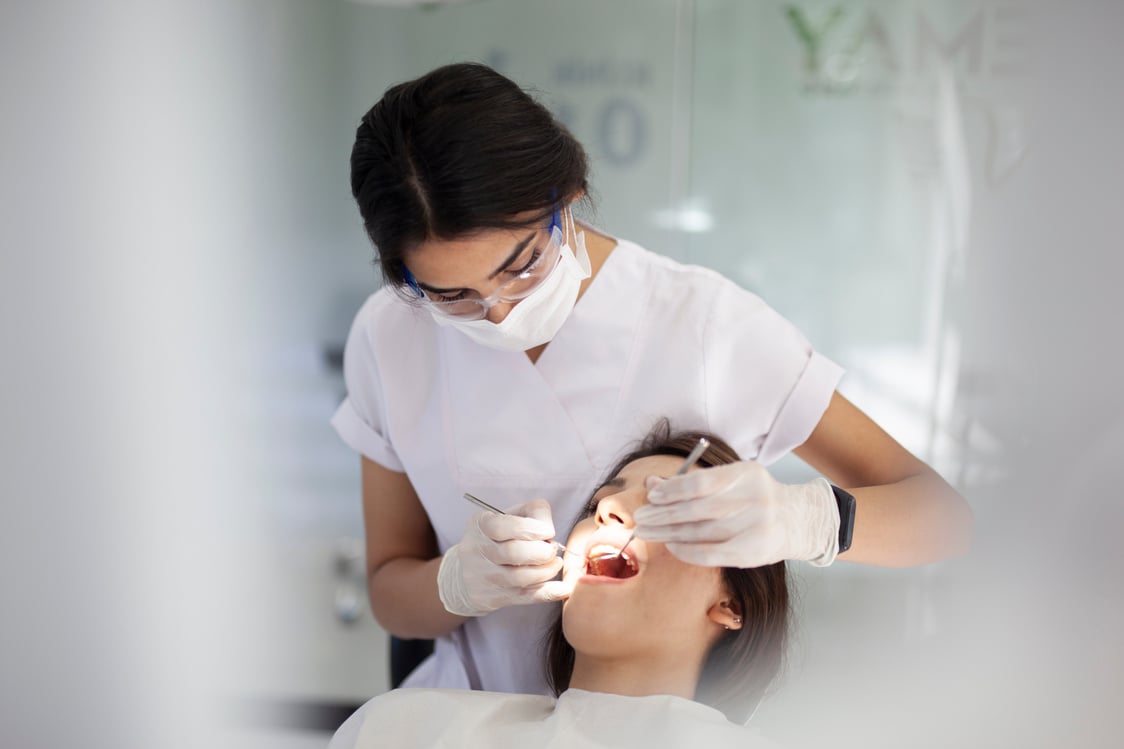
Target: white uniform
{"x": 649, "y": 338}
{"x": 406, "y": 718}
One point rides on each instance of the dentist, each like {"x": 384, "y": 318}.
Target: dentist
{"x": 512, "y": 351}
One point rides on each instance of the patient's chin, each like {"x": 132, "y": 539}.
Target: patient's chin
{"x": 593, "y": 631}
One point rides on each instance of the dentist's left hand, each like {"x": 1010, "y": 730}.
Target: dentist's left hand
{"x": 503, "y": 560}
{"x": 738, "y": 515}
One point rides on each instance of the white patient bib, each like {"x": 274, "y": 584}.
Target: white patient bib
{"x": 408, "y": 718}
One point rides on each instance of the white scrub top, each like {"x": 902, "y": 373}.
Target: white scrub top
{"x": 649, "y": 338}
{"x": 578, "y": 719}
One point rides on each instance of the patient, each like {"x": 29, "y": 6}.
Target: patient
{"x": 647, "y": 651}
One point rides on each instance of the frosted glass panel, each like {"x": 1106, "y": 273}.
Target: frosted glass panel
{"x": 836, "y": 149}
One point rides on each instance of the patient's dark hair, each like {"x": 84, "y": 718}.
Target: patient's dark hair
{"x": 460, "y": 149}
{"x": 741, "y": 666}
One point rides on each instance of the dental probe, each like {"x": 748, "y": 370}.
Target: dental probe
{"x": 692, "y": 458}
{"x": 485, "y": 506}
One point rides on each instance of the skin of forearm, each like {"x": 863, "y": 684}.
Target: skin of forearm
{"x": 915, "y": 521}
{"x": 405, "y": 602}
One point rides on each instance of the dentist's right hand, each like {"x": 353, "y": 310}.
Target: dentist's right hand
{"x": 503, "y": 560}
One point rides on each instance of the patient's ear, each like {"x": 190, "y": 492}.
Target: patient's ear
{"x": 726, "y": 612}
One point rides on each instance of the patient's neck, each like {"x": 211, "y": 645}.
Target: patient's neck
{"x": 637, "y": 676}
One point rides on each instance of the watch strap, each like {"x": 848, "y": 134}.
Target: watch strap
{"x": 846, "y": 504}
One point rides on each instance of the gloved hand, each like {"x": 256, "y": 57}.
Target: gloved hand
{"x": 503, "y": 560}
{"x": 738, "y": 515}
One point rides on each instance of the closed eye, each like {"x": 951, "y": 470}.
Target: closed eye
{"x": 590, "y": 507}
{"x": 599, "y": 494}
{"x": 514, "y": 272}
{"x": 449, "y": 297}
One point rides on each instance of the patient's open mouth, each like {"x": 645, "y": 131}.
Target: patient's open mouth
{"x": 608, "y": 561}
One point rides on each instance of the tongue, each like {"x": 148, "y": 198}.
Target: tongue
{"x": 610, "y": 565}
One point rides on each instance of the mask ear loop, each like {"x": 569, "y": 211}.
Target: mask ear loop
{"x": 569, "y": 228}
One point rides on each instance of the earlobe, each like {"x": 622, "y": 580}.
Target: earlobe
{"x": 727, "y": 613}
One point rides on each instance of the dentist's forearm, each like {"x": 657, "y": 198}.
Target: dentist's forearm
{"x": 915, "y": 521}
{"x": 405, "y": 602}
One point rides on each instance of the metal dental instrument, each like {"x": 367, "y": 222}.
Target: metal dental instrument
{"x": 485, "y": 506}
{"x": 692, "y": 458}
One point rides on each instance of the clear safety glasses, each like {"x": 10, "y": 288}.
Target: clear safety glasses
{"x": 520, "y": 283}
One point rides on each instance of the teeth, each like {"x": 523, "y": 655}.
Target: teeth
{"x": 605, "y": 560}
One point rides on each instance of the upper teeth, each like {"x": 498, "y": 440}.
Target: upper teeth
{"x": 599, "y": 549}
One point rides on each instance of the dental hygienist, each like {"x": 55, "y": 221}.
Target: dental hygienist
{"x": 512, "y": 351}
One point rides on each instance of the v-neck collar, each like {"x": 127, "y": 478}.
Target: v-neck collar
{"x": 495, "y": 398}
{"x": 573, "y": 329}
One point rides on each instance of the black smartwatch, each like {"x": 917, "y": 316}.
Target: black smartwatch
{"x": 846, "y": 504}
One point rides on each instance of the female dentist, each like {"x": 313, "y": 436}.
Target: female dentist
{"x": 512, "y": 352}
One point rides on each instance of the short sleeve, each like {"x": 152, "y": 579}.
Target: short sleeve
{"x": 765, "y": 386}
{"x": 360, "y": 420}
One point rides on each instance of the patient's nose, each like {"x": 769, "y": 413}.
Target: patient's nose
{"x": 612, "y": 510}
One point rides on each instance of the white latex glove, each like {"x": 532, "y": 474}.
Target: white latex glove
{"x": 738, "y": 515}
{"x": 503, "y": 560}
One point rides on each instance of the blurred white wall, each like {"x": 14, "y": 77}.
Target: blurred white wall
{"x": 170, "y": 172}
{"x": 119, "y": 238}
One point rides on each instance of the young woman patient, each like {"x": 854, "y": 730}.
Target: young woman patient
{"x": 647, "y": 651}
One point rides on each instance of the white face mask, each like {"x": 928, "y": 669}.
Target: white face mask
{"x": 535, "y": 319}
